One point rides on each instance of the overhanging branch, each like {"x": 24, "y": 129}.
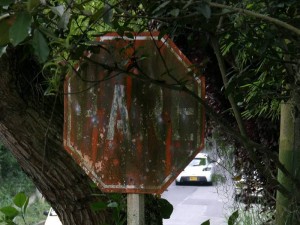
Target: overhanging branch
{"x": 257, "y": 15}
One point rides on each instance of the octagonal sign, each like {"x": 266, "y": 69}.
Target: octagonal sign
{"x": 128, "y": 122}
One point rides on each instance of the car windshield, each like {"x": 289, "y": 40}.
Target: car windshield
{"x": 198, "y": 162}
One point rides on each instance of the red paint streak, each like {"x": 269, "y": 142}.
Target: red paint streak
{"x": 116, "y": 162}
{"x": 109, "y": 148}
{"x": 168, "y": 149}
{"x": 95, "y": 135}
{"x": 139, "y": 148}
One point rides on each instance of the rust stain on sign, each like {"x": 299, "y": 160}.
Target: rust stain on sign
{"x": 131, "y": 134}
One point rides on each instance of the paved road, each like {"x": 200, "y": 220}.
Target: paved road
{"x": 195, "y": 204}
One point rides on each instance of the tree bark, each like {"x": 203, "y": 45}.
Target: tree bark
{"x": 287, "y": 207}
{"x": 31, "y": 128}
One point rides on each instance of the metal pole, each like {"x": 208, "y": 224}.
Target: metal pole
{"x": 135, "y": 209}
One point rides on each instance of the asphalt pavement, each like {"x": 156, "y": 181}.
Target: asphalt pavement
{"x": 194, "y": 205}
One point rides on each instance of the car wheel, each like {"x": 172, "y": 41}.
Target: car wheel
{"x": 177, "y": 182}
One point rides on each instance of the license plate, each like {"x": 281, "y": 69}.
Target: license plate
{"x": 193, "y": 179}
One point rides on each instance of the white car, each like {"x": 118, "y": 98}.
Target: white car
{"x": 200, "y": 170}
{"x": 52, "y": 218}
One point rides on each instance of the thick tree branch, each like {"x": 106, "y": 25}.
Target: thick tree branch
{"x": 275, "y": 21}
{"x": 258, "y": 15}
{"x": 236, "y": 112}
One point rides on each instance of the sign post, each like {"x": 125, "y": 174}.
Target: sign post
{"x": 135, "y": 209}
{"x": 126, "y": 122}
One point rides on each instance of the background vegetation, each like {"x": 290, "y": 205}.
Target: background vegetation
{"x": 13, "y": 181}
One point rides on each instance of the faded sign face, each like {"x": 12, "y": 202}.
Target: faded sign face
{"x": 124, "y": 125}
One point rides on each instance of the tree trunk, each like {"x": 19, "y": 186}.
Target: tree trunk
{"x": 287, "y": 207}
{"x": 31, "y": 126}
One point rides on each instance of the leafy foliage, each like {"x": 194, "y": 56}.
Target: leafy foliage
{"x": 12, "y": 179}
{"x": 117, "y": 204}
{"x": 18, "y": 212}
{"x": 18, "y": 209}
{"x": 20, "y": 28}
{"x": 55, "y": 31}
{"x": 232, "y": 219}
{"x": 255, "y": 70}
{"x": 14, "y": 189}
{"x": 165, "y": 208}
{"x": 207, "y": 222}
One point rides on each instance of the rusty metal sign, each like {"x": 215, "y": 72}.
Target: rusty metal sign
{"x": 127, "y": 124}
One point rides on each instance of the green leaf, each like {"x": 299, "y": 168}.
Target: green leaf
{"x": 163, "y": 5}
{"x": 48, "y": 33}
{"x": 112, "y": 205}
{"x": 25, "y": 205}
{"x": 205, "y": 11}
{"x": 64, "y": 20}
{"x": 116, "y": 196}
{"x": 166, "y": 208}
{"x": 96, "y": 16}
{"x": 232, "y": 219}
{"x": 107, "y": 14}
{"x": 58, "y": 10}
{"x": 2, "y": 50}
{"x": 20, "y": 29}
{"x": 4, "y": 31}
{"x": 40, "y": 46}
{"x": 31, "y": 4}
{"x": 174, "y": 12}
{"x": 226, "y": 48}
{"x": 207, "y": 222}
{"x": 96, "y": 206}
{"x": 20, "y": 199}
{"x": 187, "y": 4}
{"x": 6, "y": 2}
{"x": 9, "y": 212}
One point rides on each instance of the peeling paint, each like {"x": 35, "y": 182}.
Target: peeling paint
{"x": 131, "y": 136}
